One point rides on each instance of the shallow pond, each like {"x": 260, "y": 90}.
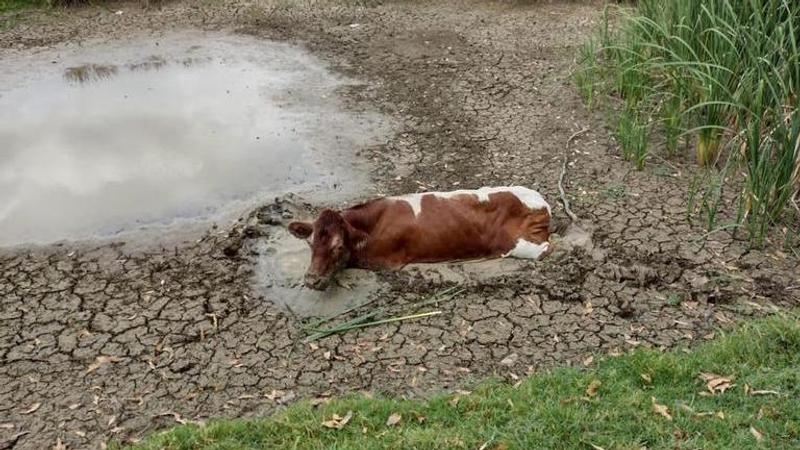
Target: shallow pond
{"x": 107, "y": 138}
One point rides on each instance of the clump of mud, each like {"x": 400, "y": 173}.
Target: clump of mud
{"x": 90, "y": 72}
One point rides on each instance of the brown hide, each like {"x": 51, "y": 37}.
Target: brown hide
{"x": 385, "y": 233}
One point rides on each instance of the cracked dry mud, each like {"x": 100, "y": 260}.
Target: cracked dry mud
{"x": 109, "y": 340}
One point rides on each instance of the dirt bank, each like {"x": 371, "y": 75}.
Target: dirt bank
{"x": 101, "y": 341}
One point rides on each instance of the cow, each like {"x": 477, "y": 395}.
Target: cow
{"x": 428, "y": 227}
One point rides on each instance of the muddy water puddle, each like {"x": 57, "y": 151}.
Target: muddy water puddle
{"x": 109, "y": 138}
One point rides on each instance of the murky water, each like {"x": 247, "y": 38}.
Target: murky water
{"x": 110, "y": 138}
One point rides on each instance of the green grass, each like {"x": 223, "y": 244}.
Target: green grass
{"x": 18, "y": 5}
{"x": 723, "y": 76}
{"x": 553, "y": 410}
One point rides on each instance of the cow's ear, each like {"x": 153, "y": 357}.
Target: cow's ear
{"x": 301, "y": 230}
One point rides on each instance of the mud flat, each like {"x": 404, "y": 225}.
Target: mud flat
{"x": 99, "y": 342}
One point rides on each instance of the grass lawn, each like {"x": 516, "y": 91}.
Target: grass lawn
{"x": 740, "y": 391}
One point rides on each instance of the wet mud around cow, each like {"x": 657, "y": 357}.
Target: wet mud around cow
{"x": 100, "y": 342}
{"x": 281, "y": 262}
{"x": 182, "y": 129}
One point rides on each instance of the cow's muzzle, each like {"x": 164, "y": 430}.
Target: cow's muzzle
{"x": 316, "y": 282}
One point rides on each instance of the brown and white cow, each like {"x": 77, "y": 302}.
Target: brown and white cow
{"x": 428, "y": 227}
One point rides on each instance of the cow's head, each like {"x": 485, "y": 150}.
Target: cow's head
{"x": 332, "y": 240}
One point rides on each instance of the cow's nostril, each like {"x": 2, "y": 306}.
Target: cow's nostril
{"x": 315, "y": 282}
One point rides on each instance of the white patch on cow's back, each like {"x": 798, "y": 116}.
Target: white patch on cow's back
{"x": 527, "y": 250}
{"x": 528, "y": 197}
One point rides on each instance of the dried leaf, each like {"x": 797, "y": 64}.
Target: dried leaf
{"x": 454, "y": 401}
{"x": 100, "y": 361}
{"x": 762, "y": 392}
{"x": 175, "y": 416}
{"x": 393, "y": 420}
{"x": 717, "y": 384}
{"x": 320, "y": 401}
{"x": 280, "y": 396}
{"x": 596, "y": 447}
{"x": 647, "y": 378}
{"x": 59, "y": 445}
{"x": 80, "y": 433}
{"x": 509, "y": 360}
{"x": 660, "y": 409}
{"x": 327, "y": 355}
{"x": 420, "y": 418}
{"x": 588, "y": 361}
{"x": 7, "y": 426}
{"x": 33, "y": 408}
{"x": 720, "y": 415}
{"x": 757, "y": 434}
{"x": 336, "y": 422}
{"x": 591, "y": 390}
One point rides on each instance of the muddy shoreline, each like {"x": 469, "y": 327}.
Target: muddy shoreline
{"x": 104, "y": 340}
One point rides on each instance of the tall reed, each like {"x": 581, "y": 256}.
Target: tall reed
{"x": 721, "y": 75}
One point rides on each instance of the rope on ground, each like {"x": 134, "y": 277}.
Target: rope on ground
{"x": 561, "y": 192}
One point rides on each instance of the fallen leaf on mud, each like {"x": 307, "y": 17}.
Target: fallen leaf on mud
{"x": 59, "y": 445}
{"x": 757, "y": 434}
{"x": 660, "y": 409}
{"x": 337, "y": 422}
{"x": 393, "y": 420}
{"x": 275, "y": 394}
{"x": 84, "y": 333}
{"x": 588, "y": 361}
{"x": 74, "y": 406}
{"x": 100, "y": 361}
{"x": 80, "y": 433}
{"x": 588, "y": 308}
{"x": 591, "y": 390}
{"x": 327, "y": 355}
{"x": 7, "y": 426}
{"x": 647, "y": 378}
{"x": 509, "y": 360}
{"x": 32, "y": 408}
{"x": 716, "y": 383}
{"x": 111, "y": 421}
{"x": 313, "y": 346}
